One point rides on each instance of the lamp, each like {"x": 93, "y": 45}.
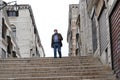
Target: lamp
{"x": 4, "y": 4}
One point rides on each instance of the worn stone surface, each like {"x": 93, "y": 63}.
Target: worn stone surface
{"x": 66, "y": 68}
{"x": 85, "y": 30}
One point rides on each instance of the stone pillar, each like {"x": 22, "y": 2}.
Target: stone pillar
{"x": 73, "y": 37}
{"x": 74, "y": 28}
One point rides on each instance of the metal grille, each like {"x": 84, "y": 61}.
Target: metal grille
{"x": 115, "y": 37}
{"x": 103, "y": 31}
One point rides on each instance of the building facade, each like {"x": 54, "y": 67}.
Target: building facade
{"x": 107, "y": 14}
{"x": 8, "y": 45}
{"x": 98, "y": 12}
{"x": 26, "y": 33}
{"x": 23, "y": 29}
{"x": 99, "y": 29}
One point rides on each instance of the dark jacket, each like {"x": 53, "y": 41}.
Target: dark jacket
{"x": 60, "y": 38}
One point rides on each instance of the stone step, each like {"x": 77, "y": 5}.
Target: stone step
{"x": 61, "y": 78}
{"x": 64, "y": 62}
{"x": 51, "y": 62}
{"x": 8, "y": 65}
{"x": 35, "y": 74}
{"x": 50, "y": 71}
{"x": 55, "y": 71}
{"x": 48, "y": 59}
{"x": 52, "y": 75}
{"x": 66, "y": 68}
{"x": 53, "y": 68}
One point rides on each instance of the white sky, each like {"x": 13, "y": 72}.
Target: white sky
{"x": 50, "y": 15}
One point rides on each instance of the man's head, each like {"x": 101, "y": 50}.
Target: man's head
{"x": 55, "y": 30}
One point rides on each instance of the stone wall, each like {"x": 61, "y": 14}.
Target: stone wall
{"x": 0, "y": 30}
{"x": 85, "y": 30}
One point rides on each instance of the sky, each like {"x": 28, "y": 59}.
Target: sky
{"x": 50, "y": 15}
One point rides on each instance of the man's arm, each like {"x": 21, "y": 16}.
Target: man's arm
{"x": 61, "y": 38}
{"x": 52, "y": 42}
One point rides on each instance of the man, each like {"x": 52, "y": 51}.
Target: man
{"x": 56, "y": 43}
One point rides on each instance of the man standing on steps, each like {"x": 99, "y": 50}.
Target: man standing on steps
{"x": 56, "y": 43}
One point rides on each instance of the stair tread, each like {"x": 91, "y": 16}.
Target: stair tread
{"x": 62, "y": 77}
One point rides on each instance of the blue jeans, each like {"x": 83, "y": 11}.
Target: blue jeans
{"x": 57, "y": 47}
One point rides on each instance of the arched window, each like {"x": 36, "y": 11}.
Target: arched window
{"x": 13, "y": 27}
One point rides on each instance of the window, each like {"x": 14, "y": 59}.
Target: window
{"x": 35, "y": 31}
{"x": 14, "y": 54}
{"x": 4, "y": 29}
{"x": 94, "y": 34}
{"x": 3, "y": 53}
{"x": 106, "y": 51}
{"x": 10, "y": 46}
{"x": 12, "y": 13}
{"x": 88, "y": 2}
{"x": 14, "y": 31}
{"x": 13, "y": 27}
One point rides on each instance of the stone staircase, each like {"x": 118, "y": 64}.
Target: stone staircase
{"x": 66, "y": 68}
